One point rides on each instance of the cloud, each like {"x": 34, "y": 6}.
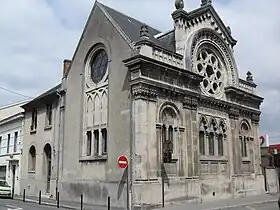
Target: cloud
{"x": 36, "y": 35}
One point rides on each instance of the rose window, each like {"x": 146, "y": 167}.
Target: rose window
{"x": 210, "y": 67}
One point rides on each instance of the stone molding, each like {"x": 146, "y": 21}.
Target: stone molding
{"x": 190, "y": 103}
{"x": 141, "y": 91}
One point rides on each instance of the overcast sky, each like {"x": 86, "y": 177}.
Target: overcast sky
{"x": 36, "y": 35}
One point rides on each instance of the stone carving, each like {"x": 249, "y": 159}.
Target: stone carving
{"x": 208, "y": 34}
{"x": 233, "y": 113}
{"x": 144, "y": 32}
{"x": 255, "y": 118}
{"x": 205, "y": 2}
{"x": 190, "y": 103}
{"x": 143, "y": 92}
{"x": 179, "y": 4}
{"x": 209, "y": 66}
{"x": 249, "y": 77}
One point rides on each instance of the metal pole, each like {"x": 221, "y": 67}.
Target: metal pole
{"x": 82, "y": 201}
{"x": 57, "y": 201}
{"x": 40, "y": 194}
{"x": 23, "y": 197}
{"x": 109, "y": 203}
{"x": 127, "y": 189}
{"x": 162, "y": 184}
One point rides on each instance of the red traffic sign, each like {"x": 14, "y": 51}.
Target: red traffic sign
{"x": 122, "y": 161}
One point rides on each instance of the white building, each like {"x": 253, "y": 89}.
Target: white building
{"x": 11, "y": 123}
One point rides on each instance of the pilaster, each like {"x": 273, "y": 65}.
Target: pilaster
{"x": 235, "y": 141}
{"x": 144, "y": 109}
{"x": 255, "y": 118}
{"x": 190, "y": 107}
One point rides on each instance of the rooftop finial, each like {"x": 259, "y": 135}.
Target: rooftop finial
{"x": 144, "y": 32}
{"x": 249, "y": 77}
{"x": 179, "y": 4}
{"x": 204, "y": 2}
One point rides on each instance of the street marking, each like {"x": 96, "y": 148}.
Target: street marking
{"x": 13, "y": 207}
{"x": 249, "y": 207}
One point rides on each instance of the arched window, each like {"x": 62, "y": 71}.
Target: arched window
{"x": 201, "y": 143}
{"x": 169, "y": 120}
{"x": 244, "y": 137}
{"x": 220, "y": 145}
{"x": 32, "y": 159}
{"x": 211, "y": 144}
{"x": 202, "y": 134}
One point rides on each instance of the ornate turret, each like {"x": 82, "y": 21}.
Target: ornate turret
{"x": 144, "y": 32}
{"x": 249, "y": 77}
{"x": 204, "y": 2}
{"x": 179, "y": 4}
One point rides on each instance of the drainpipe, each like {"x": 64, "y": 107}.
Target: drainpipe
{"x": 130, "y": 165}
{"x": 58, "y": 145}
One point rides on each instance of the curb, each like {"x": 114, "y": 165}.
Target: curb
{"x": 214, "y": 208}
{"x": 50, "y": 204}
{"x": 242, "y": 205}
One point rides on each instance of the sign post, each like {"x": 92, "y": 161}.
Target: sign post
{"x": 123, "y": 163}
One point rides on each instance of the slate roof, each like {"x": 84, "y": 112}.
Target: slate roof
{"x": 131, "y": 27}
{"x": 43, "y": 95}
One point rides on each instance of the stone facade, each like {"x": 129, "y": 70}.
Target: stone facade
{"x": 172, "y": 102}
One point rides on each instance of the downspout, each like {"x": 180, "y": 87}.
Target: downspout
{"x": 58, "y": 145}
{"x": 130, "y": 171}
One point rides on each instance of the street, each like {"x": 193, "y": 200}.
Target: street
{"x": 265, "y": 206}
{"x": 8, "y": 204}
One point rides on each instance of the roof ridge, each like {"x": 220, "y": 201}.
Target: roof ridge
{"x": 140, "y": 21}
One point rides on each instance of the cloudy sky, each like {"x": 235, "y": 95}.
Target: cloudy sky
{"x": 36, "y": 35}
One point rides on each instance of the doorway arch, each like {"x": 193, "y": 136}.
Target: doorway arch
{"x": 48, "y": 166}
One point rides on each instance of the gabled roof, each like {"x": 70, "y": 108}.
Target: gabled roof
{"x": 43, "y": 95}
{"x": 131, "y": 27}
{"x": 202, "y": 10}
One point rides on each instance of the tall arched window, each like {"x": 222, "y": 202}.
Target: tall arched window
{"x": 211, "y": 144}
{"x": 169, "y": 120}
{"x": 202, "y": 135}
{"x": 32, "y": 159}
{"x": 244, "y": 137}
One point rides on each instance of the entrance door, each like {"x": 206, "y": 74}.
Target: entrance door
{"x": 48, "y": 165}
{"x": 13, "y": 178}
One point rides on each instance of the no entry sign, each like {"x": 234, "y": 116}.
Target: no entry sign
{"x": 122, "y": 161}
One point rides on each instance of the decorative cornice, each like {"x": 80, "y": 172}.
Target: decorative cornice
{"x": 255, "y": 118}
{"x": 135, "y": 60}
{"x": 190, "y": 103}
{"x": 237, "y": 95}
{"x": 233, "y": 113}
{"x": 142, "y": 91}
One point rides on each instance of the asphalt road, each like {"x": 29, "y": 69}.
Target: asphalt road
{"x": 8, "y": 204}
{"x": 266, "y": 206}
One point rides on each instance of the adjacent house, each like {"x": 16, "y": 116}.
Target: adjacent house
{"x": 41, "y": 130}
{"x": 11, "y": 136}
{"x": 172, "y": 102}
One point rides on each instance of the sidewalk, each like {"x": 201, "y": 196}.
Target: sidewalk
{"x": 211, "y": 205}
{"x": 226, "y": 203}
{"x": 64, "y": 204}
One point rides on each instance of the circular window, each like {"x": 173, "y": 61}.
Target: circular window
{"x": 209, "y": 66}
{"x": 98, "y": 65}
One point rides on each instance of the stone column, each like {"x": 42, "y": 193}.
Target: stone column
{"x": 159, "y": 149}
{"x": 151, "y": 140}
{"x": 195, "y": 136}
{"x": 234, "y": 146}
{"x": 192, "y": 132}
{"x": 144, "y": 132}
{"x": 256, "y": 146}
{"x": 188, "y": 137}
